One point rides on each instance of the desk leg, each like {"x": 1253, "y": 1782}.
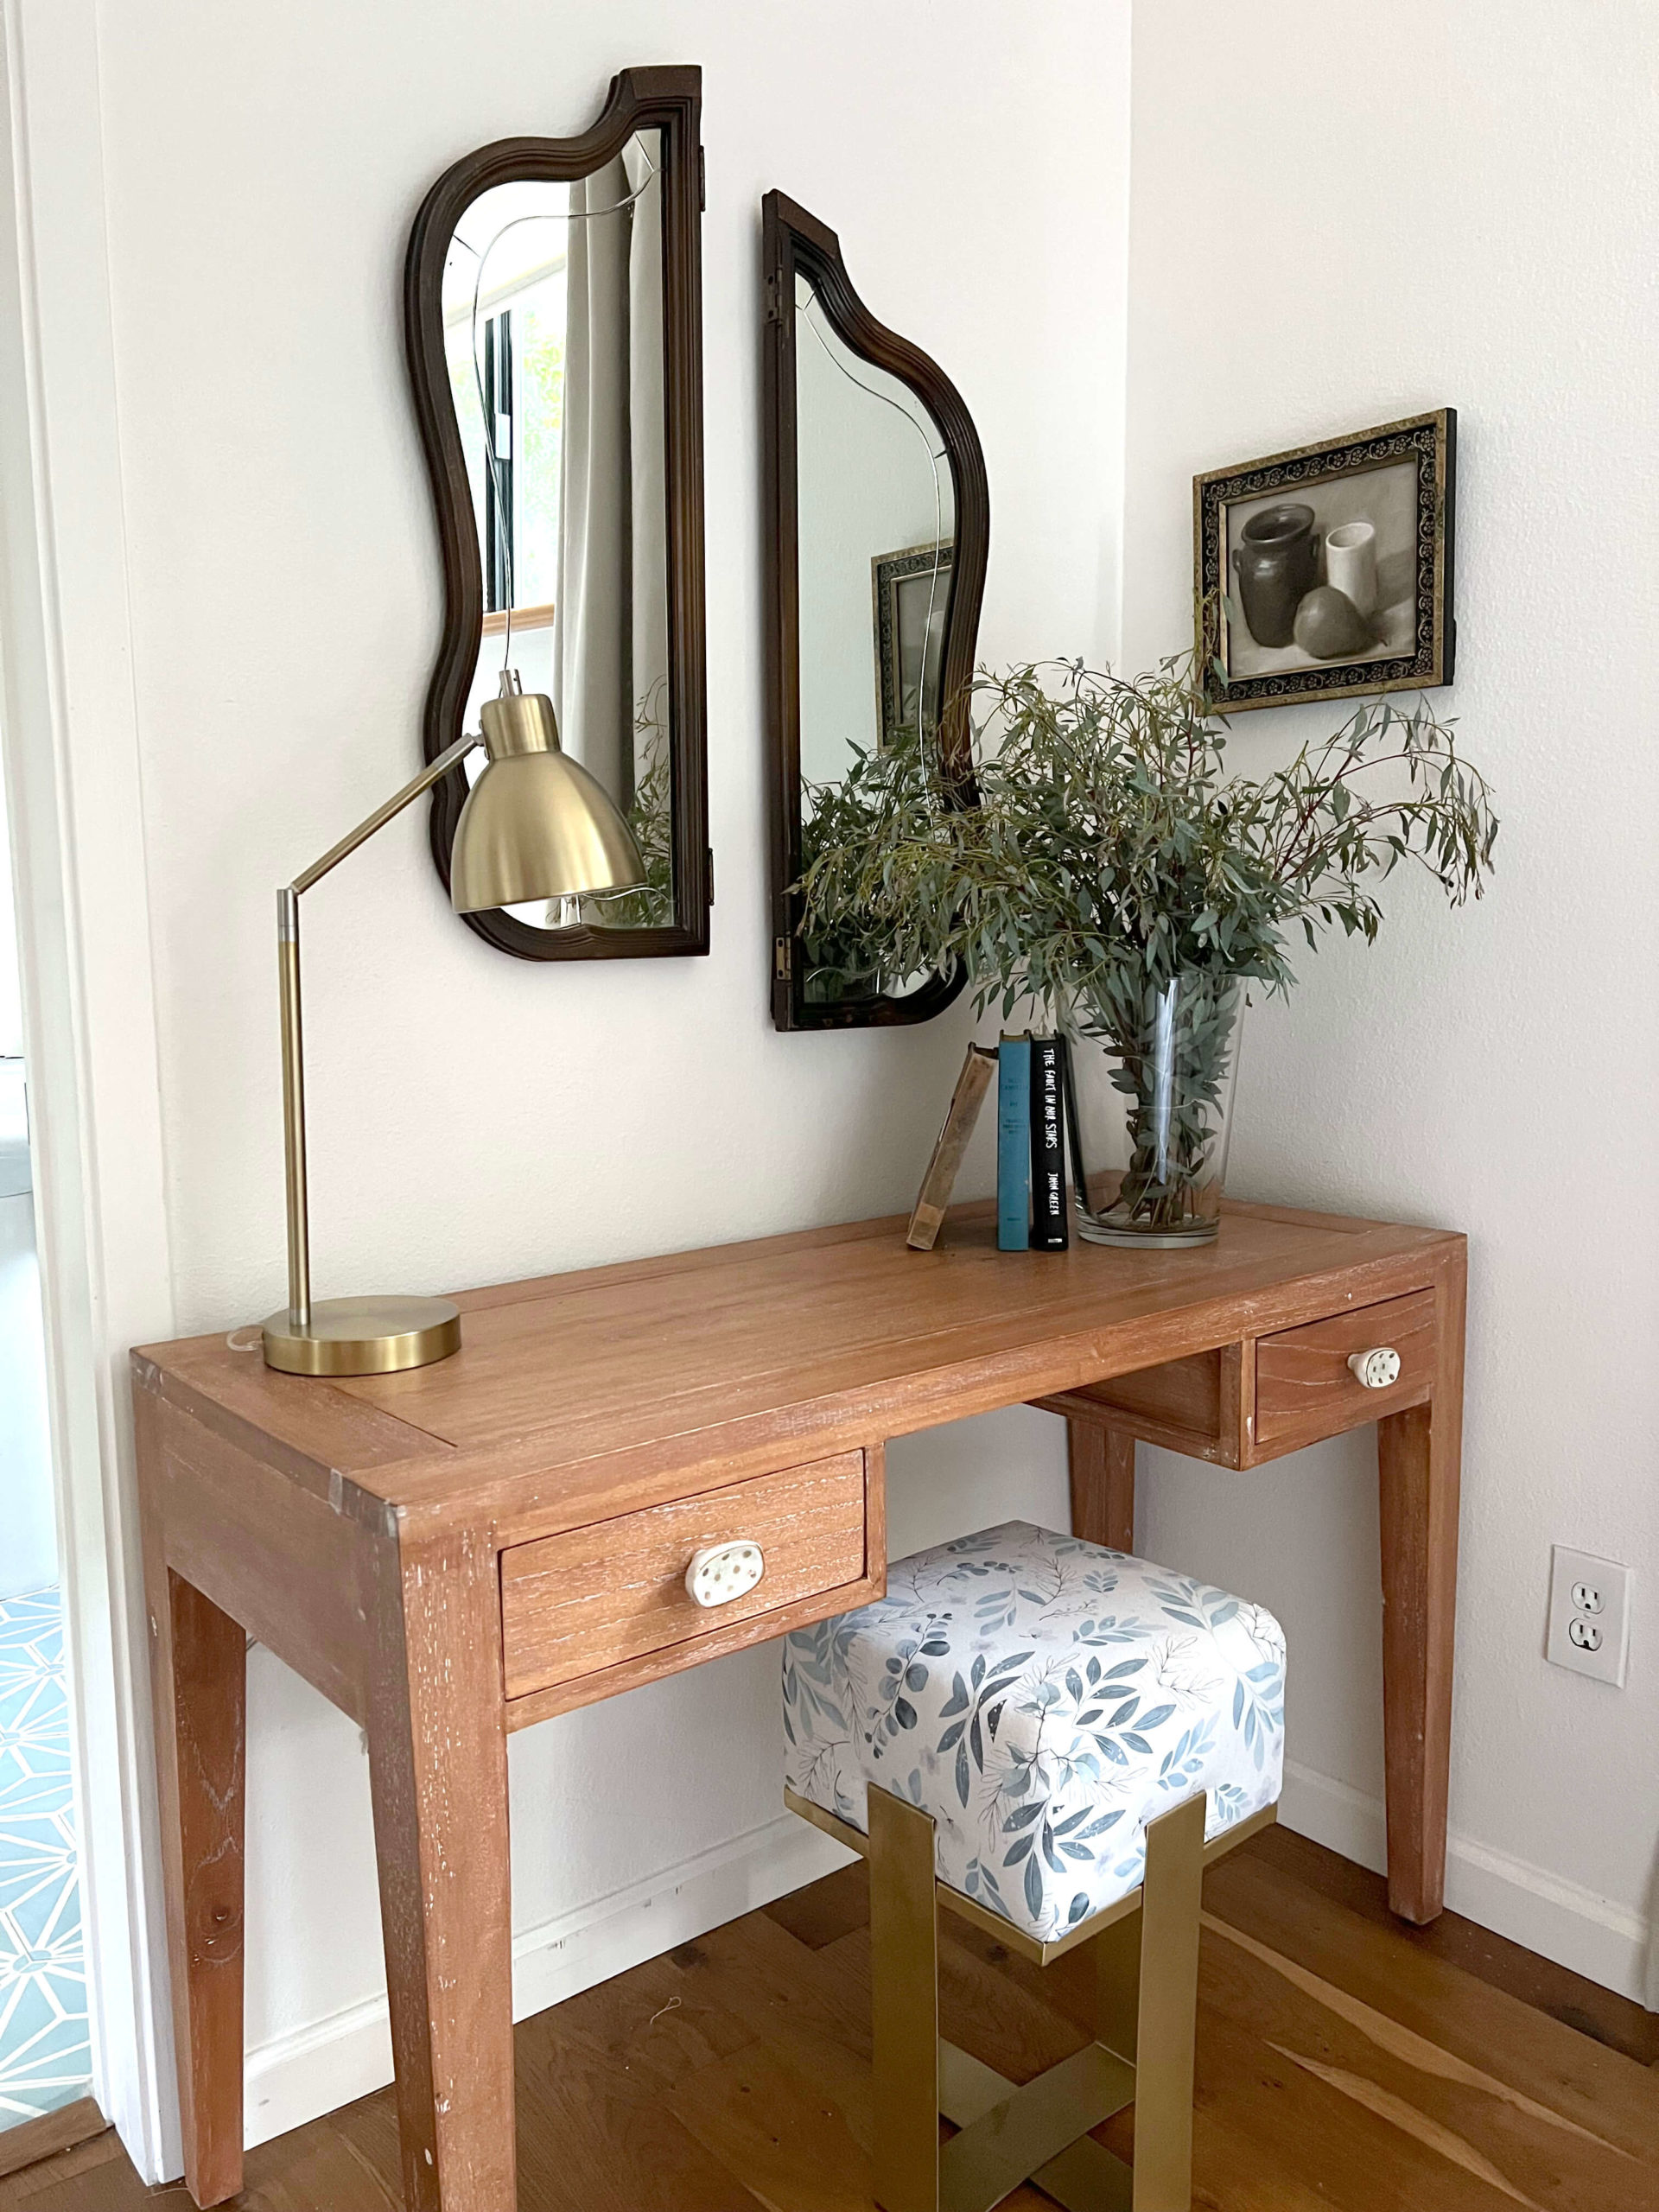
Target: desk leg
{"x": 1418, "y": 1455}
{"x": 1101, "y": 1464}
{"x": 438, "y": 1772}
{"x": 198, "y": 1670}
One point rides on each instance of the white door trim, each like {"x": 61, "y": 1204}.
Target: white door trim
{"x": 69, "y": 742}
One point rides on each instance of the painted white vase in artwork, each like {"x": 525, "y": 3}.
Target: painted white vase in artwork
{"x": 1351, "y": 563}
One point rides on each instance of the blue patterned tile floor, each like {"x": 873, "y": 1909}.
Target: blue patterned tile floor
{"x": 45, "y": 2047}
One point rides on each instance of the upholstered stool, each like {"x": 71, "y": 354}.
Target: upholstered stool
{"x": 1052, "y": 1740}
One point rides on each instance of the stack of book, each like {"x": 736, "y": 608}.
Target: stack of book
{"x": 1032, "y": 1082}
{"x": 1035, "y": 1104}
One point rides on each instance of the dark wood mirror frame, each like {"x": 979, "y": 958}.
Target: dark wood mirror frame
{"x": 669, "y": 100}
{"x": 794, "y": 241}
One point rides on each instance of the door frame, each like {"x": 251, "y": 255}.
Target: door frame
{"x": 69, "y": 745}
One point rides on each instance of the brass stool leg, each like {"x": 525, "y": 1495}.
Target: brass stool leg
{"x": 1117, "y": 1986}
{"x": 1168, "y": 2015}
{"x": 904, "y": 2005}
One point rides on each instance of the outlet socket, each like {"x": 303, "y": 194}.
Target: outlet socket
{"x": 1589, "y": 1615}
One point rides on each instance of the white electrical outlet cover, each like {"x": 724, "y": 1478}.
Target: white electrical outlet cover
{"x": 1589, "y": 1615}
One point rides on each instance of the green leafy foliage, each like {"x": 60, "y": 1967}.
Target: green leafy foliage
{"x": 1104, "y": 849}
{"x": 649, "y": 904}
{"x": 843, "y": 958}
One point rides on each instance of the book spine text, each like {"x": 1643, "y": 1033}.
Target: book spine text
{"x": 1048, "y": 1223}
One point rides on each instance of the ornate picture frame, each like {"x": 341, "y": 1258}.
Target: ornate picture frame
{"x": 910, "y": 594}
{"x": 1327, "y": 572}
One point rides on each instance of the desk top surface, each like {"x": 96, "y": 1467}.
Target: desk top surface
{"x": 610, "y": 1385}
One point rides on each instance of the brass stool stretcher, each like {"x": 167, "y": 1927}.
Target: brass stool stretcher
{"x": 1146, "y": 1949}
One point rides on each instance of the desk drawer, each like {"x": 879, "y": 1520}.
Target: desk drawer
{"x": 599, "y": 1596}
{"x": 1305, "y": 1387}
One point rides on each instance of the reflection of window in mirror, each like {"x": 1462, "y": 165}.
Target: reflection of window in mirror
{"x": 553, "y": 332}
{"x": 505, "y": 306}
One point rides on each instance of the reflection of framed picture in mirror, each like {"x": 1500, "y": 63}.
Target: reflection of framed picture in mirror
{"x": 911, "y": 593}
{"x": 1327, "y": 571}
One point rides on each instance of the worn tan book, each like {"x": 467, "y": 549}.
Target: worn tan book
{"x": 935, "y": 1195}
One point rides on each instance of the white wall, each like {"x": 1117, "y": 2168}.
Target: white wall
{"x": 261, "y": 173}
{"x": 1343, "y": 213}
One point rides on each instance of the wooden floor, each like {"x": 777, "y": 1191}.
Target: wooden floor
{"x": 1345, "y": 2064}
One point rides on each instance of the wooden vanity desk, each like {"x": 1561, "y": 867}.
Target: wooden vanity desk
{"x": 471, "y": 1548}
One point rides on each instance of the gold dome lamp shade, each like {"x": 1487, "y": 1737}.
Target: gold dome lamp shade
{"x": 535, "y": 825}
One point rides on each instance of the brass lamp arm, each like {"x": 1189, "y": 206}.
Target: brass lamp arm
{"x": 429, "y": 775}
{"x": 288, "y": 968}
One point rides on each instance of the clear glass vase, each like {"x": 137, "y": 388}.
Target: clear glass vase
{"x": 1153, "y": 1069}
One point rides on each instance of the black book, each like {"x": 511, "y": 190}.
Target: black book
{"x": 1048, "y": 1223}
{"x": 1073, "y": 1123}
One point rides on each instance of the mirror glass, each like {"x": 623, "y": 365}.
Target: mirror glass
{"x": 877, "y": 538}
{"x": 552, "y": 304}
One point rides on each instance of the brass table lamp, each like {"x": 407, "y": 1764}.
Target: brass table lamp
{"x": 536, "y": 825}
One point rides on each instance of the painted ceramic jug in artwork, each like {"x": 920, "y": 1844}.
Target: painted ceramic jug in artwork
{"x": 1276, "y": 562}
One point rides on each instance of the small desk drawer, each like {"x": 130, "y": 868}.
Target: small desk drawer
{"x": 594, "y": 1597}
{"x": 1306, "y": 1388}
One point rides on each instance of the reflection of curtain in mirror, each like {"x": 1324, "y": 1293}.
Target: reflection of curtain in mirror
{"x": 611, "y": 628}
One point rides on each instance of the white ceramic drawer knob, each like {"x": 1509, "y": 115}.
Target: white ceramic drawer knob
{"x": 720, "y": 1573}
{"x": 1377, "y": 1369}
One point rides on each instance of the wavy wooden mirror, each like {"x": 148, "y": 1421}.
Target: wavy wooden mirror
{"x": 878, "y": 523}
{"x": 553, "y": 310}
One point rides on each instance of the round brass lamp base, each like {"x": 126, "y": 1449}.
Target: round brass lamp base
{"x": 364, "y": 1336}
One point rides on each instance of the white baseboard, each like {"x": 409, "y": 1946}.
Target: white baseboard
{"x": 293, "y": 2078}
{"x": 1342, "y": 1819}
{"x": 1559, "y": 1920}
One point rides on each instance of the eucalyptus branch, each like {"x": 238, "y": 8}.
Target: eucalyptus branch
{"x": 1107, "y": 840}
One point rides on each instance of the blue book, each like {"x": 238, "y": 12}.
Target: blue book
{"x": 1013, "y": 1145}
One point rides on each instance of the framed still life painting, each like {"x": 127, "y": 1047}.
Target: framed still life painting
{"x": 1327, "y": 571}
{"x": 910, "y": 591}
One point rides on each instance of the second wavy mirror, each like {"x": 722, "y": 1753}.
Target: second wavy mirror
{"x": 877, "y": 515}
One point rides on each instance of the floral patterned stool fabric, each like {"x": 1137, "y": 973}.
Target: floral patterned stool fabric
{"x": 1042, "y": 1698}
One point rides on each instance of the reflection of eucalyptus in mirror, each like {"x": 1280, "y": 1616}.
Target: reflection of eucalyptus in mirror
{"x": 553, "y": 324}
{"x": 876, "y": 536}
{"x": 649, "y": 904}
{"x": 844, "y": 958}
